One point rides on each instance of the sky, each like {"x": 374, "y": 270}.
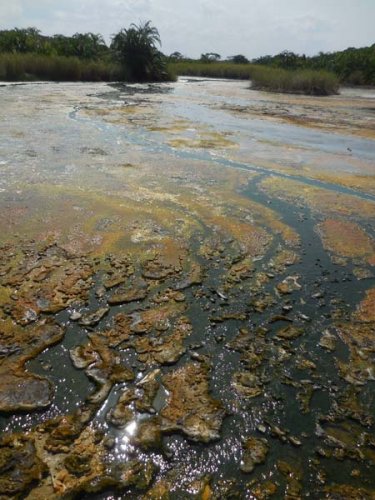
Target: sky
{"x": 192, "y": 27}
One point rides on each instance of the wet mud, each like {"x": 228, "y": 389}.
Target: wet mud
{"x": 186, "y": 293}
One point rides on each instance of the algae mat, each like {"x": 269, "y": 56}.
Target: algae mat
{"x": 186, "y": 292}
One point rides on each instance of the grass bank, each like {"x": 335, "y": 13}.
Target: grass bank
{"x": 211, "y": 70}
{"x": 307, "y": 82}
{"x": 29, "y": 67}
{"x": 310, "y": 82}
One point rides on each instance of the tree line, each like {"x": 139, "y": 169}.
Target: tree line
{"x": 30, "y": 40}
{"x": 352, "y": 66}
{"x": 137, "y": 50}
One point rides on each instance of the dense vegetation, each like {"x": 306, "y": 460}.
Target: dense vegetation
{"x": 30, "y": 40}
{"x": 352, "y": 66}
{"x": 134, "y": 55}
{"x": 26, "y": 67}
{"x": 213, "y": 69}
{"x": 304, "y": 81}
{"x": 311, "y": 82}
{"x": 136, "y": 49}
{"x": 25, "y": 54}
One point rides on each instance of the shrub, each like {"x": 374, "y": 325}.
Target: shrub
{"x": 307, "y": 82}
{"x": 15, "y": 67}
{"x": 212, "y": 69}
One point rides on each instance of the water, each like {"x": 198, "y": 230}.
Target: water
{"x": 101, "y": 166}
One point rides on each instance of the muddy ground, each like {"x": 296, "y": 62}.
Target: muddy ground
{"x": 187, "y": 292}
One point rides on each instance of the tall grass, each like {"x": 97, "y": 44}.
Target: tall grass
{"x": 212, "y": 69}
{"x": 26, "y": 67}
{"x": 309, "y": 82}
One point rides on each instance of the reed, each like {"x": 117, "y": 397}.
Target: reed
{"x": 29, "y": 67}
{"x": 309, "y": 82}
{"x": 211, "y": 70}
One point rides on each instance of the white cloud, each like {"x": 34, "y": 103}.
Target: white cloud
{"x": 251, "y": 27}
{"x": 9, "y": 13}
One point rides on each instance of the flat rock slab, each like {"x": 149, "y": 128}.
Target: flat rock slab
{"x": 24, "y": 393}
{"x": 190, "y": 408}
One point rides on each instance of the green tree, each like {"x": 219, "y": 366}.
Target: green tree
{"x": 238, "y": 59}
{"x": 136, "y": 48}
{"x": 210, "y": 57}
{"x": 176, "y": 57}
{"x": 88, "y": 45}
{"x": 20, "y": 40}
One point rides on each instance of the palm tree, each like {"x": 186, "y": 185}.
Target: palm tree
{"x": 136, "y": 48}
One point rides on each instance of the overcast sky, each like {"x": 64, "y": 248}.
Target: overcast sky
{"x": 228, "y": 27}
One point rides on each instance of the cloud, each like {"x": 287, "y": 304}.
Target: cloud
{"x": 250, "y": 27}
{"x": 10, "y": 12}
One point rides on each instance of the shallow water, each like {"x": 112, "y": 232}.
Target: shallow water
{"x": 198, "y": 173}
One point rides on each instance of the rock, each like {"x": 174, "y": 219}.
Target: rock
{"x": 359, "y": 337}
{"x": 293, "y": 476}
{"x": 24, "y": 393}
{"x": 100, "y": 292}
{"x": 109, "y": 442}
{"x": 148, "y": 435}
{"x": 305, "y": 364}
{"x": 366, "y": 309}
{"x": 46, "y": 280}
{"x": 279, "y": 317}
{"x": 138, "y": 474}
{"x": 362, "y": 273}
{"x": 288, "y": 285}
{"x": 149, "y": 386}
{"x": 304, "y": 317}
{"x": 77, "y": 464}
{"x": 295, "y": 441}
{"x": 254, "y": 452}
{"x": 158, "y": 268}
{"x": 75, "y": 316}
{"x": 287, "y": 308}
{"x": 263, "y": 490}
{"x": 63, "y": 431}
{"x": 123, "y": 413}
{"x": 263, "y": 302}
{"x": 114, "y": 280}
{"x": 92, "y": 319}
{"x": 159, "y": 491}
{"x": 289, "y": 333}
{"x": 241, "y": 341}
{"x": 247, "y": 384}
{"x": 102, "y": 365}
{"x": 83, "y": 355}
{"x": 194, "y": 278}
{"x": 20, "y": 467}
{"x": 328, "y": 341}
{"x": 349, "y": 492}
{"x": 164, "y": 350}
{"x": 129, "y": 296}
{"x": 278, "y": 433}
{"x": 21, "y": 390}
{"x": 190, "y": 408}
{"x": 120, "y": 332}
